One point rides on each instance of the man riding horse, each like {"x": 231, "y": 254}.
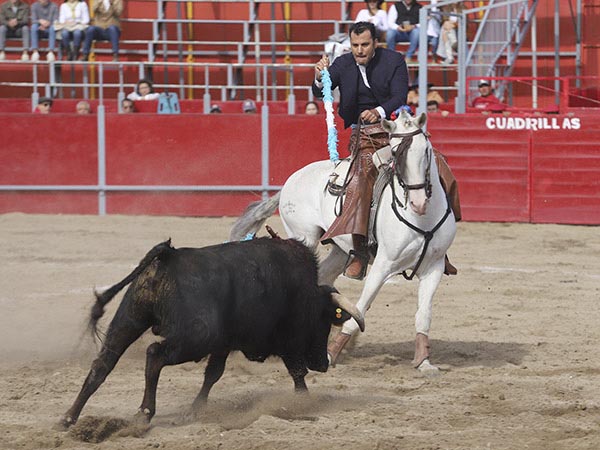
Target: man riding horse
{"x": 373, "y": 83}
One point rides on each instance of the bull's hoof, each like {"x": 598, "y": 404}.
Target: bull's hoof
{"x": 428, "y": 369}
{"x": 63, "y": 424}
{"x": 142, "y": 417}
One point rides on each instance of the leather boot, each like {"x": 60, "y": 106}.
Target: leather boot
{"x": 359, "y": 259}
{"x": 449, "y": 269}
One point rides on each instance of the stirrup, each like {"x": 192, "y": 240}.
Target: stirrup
{"x": 362, "y": 259}
{"x": 449, "y": 269}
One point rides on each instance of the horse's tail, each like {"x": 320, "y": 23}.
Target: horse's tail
{"x": 253, "y": 218}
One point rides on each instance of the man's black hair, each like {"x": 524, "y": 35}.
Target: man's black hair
{"x": 433, "y": 102}
{"x": 360, "y": 27}
{"x": 379, "y": 3}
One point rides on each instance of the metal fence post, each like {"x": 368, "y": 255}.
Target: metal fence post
{"x": 101, "y": 161}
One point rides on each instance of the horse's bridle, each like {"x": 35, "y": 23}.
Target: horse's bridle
{"x": 400, "y": 152}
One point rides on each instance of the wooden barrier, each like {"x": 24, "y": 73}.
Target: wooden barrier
{"x": 507, "y": 171}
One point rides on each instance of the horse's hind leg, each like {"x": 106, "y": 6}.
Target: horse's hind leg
{"x": 118, "y": 339}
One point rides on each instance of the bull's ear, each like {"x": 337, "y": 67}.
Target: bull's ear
{"x": 337, "y": 316}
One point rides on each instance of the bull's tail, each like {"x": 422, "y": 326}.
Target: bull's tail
{"x": 253, "y": 218}
{"x": 103, "y": 298}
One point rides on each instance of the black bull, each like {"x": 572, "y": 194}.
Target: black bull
{"x": 260, "y": 297}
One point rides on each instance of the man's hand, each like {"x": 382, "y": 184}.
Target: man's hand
{"x": 370, "y": 116}
{"x": 12, "y": 23}
{"x": 44, "y": 24}
{"x": 323, "y": 63}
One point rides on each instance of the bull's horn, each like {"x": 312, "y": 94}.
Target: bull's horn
{"x": 341, "y": 301}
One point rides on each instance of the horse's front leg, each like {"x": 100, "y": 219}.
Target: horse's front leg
{"x": 375, "y": 279}
{"x": 332, "y": 265}
{"x": 428, "y": 284}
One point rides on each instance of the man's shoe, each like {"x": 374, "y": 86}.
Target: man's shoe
{"x": 2, "y": 56}
{"x": 25, "y": 56}
{"x": 50, "y": 57}
{"x": 115, "y": 57}
{"x": 449, "y": 269}
{"x": 35, "y": 56}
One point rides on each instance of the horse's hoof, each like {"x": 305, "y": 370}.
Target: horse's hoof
{"x": 428, "y": 369}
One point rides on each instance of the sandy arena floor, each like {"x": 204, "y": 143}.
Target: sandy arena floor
{"x": 516, "y": 334}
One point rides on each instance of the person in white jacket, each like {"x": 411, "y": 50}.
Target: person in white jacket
{"x": 73, "y": 19}
{"x": 374, "y": 14}
{"x": 143, "y": 91}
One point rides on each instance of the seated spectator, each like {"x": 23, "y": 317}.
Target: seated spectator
{"x": 73, "y": 19}
{"x": 487, "y": 100}
{"x": 44, "y": 106}
{"x": 127, "y": 106}
{"x": 433, "y": 107}
{"x": 403, "y": 19}
{"x": 83, "y": 107}
{"x": 434, "y": 25}
{"x": 311, "y": 108}
{"x": 374, "y": 14}
{"x": 14, "y": 19}
{"x": 448, "y": 41}
{"x": 106, "y": 27}
{"x": 144, "y": 91}
{"x": 412, "y": 98}
{"x": 215, "y": 109}
{"x": 43, "y": 15}
{"x": 249, "y": 107}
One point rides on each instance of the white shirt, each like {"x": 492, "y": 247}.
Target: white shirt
{"x": 379, "y": 19}
{"x": 79, "y": 13}
{"x": 135, "y": 96}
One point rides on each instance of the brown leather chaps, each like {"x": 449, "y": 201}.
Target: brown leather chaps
{"x": 354, "y": 218}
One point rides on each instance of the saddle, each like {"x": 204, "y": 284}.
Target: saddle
{"x": 381, "y": 157}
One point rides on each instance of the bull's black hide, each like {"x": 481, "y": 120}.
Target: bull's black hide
{"x": 259, "y": 296}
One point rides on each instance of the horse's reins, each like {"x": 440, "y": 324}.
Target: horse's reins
{"x": 401, "y": 150}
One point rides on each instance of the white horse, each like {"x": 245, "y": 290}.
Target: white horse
{"x": 414, "y": 226}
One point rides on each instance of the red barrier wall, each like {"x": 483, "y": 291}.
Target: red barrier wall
{"x": 522, "y": 175}
{"x": 566, "y": 177}
{"x": 491, "y": 166}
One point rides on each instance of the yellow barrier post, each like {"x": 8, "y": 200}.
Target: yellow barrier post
{"x": 190, "y": 56}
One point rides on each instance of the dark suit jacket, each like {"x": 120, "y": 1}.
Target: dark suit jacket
{"x": 387, "y": 75}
